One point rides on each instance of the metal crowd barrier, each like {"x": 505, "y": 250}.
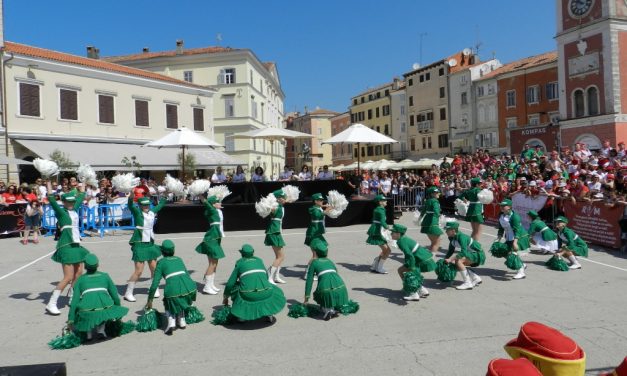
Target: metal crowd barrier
{"x": 408, "y": 199}
{"x": 101, "y": 219}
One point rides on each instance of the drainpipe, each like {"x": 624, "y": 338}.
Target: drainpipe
{"x": 4, "y": 104}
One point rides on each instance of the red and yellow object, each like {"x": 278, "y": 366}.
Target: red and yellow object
{"x": 516, "y": 367}
{"x": 621, "y": 370}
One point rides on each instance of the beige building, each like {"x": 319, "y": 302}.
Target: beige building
{"x": 318, "y": 124}
{"x": 372, "y": 108}
{"x": 342, "y": 153}
{"x": 249, "y": 94}
{"x": 95, "y": 111}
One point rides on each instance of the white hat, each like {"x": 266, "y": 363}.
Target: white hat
{"x": 598, "y": 195}
{"x": 561, "y": 184}
{"x": 533, "y": 183}
{"x": 523, "y": 179}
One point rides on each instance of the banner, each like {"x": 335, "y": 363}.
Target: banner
{"x": 491, "y": 213}
{"x": 521, "y": 204}
{"x": 11, "y": 218}
{"x": 595, "y": 222}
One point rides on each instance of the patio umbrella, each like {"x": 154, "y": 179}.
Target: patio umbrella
{"x": 383, "y": 165}
{"x": 272, "y": 134}
{"x": 183, "y": 138}
{"x": 358, "y": 134}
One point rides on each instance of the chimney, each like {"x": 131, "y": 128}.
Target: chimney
{"x": 145, "y": 50}
{"x": 92, "y": 52}
{"x": 179, "y": 46}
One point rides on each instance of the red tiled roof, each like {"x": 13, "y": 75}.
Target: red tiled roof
{"x": 188, "y": 51}
{"x": 22, "y": 49}
{"x": 321, "y": 111}
{"x": 463, "y": 62}
{"x": 269, "y": 65}
{"x": 529, "y": 62}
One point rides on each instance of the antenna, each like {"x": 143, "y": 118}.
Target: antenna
{"x": 452, "y": 62}
{"x": 478, "y": 41}
{"x": 415, "y": 66}
{"x": 466, "y": 51}
{"x": 420, "y": 36}
{"x": 218, "y": 38}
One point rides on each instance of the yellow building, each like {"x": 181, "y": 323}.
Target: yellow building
{"x": 318, "y": 124}
{"x": 372, "y": 108}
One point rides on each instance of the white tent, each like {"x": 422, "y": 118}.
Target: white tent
{"x": 383, "y": 165}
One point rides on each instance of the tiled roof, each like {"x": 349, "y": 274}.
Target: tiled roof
{"x": 185, "y": 52}
{"x": 269, "y": 65}
{"x": 463, "y": 62}
{"x": 22, "y": 49}
{"x": 321, "y": 111}
{"x": 529, "y": 62}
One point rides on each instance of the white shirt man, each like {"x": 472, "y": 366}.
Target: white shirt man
{"x": 218, "y": 176}
{"x": 385, "y": 185}
{"x": 325, "y": 174}
{"x": 286, "y": 175}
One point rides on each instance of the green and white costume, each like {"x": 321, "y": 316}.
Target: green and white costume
{"x": 379, "y": 223}
{"x": 416, "y": 257}
{"x": 466, "y": 248}
{"x": 316, "y": 228}
{"x": 330, "y": 291}
{"x": 211, "y": 244}
{"x": 179, "y": 293}
{"x": 510, "y": 226}
{"x": 68, "y": 249}
{"x": 274, "y": 229}
{"x": 475, "y": 207}
{"x": 543, "y": 236}
{"x": 142, "y": 241}
{"x": 430, "y": 213}
{"x": 568, "y": 238}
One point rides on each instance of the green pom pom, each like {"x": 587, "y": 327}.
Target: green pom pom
{"x": 557, "y": 263}
{"x": 149, "y": 321}
{"x": 66, "y": 341}
{"x": 412, "y": 281}
{"x": 349, "y": 308}
{"x": 513, "y": 261}
{"x": 499, "y": 249}
{"x": 446, "y": 272}
{"x": 427, "y": 266}
{"x": 193, "y": 315}
{"x": 297, "y": 310}
{"x": 222, "y": 316}
{"x": 116, "y": 328}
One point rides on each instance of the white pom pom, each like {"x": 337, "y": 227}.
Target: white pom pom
{"x": 337, "y": 202}
{"x": 46, "y": 167}
{"x": 161, "y": 189}
{"x": 265, "y": 206}
{"x": 291, "y": 192}
{"x": 87, "y": 175}
{"x": 220, "y": 191}
{"x": 485, "y": 196}
{"x": 199, "y": 187}
{"x": 416, "y": 218}
{"x": 444, "y": 220}
{"x": 387, "y": 235}
{"x": 175, "y": 186}
{"x": 461, "y": 207}
{"x": 124, "y": 182}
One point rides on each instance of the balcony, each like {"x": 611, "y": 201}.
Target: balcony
{"x": 426, "y": 125}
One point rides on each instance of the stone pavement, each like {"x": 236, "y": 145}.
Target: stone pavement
{"x": 449, "y": 333}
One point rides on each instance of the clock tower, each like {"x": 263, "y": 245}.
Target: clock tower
{"x": 592, "y": 71}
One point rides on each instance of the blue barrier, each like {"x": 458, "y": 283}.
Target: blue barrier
{"x": 102, "y": 218}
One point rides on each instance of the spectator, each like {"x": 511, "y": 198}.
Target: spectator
{"x": 258, "y": 175}
{"x": 304, "y": 173}
{"x": 239, "y": 176}
{"x": 32, "y": 220}
{"x": 286, "y": 175}
{"x": 354, "y": 180}
{"x": 385, "y": 184}
{"x": 218, "y": 176}
{"x": 325, "y": 174}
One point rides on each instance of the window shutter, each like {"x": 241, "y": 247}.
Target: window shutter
{"x": 221, "y": 77}
{"x": 171, "y": 116}
{"x": 141, "y": 114}
{"x": 29, "y": 100}
{"x": 199, "y": 119}
{"x": 69, "y": 104}
{"x": 105, "y": 108}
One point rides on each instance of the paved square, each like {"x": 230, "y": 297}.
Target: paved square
{"x": 450, "y": 333}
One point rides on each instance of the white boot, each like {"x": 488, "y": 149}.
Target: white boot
{"x": 208, "y": 289}
{"x": 574, "y": 263}
{"x": 213, "y": 286}
{"x": 476, "y": 280}
{"x": 412, "y": 297}
{"x": 128, "y": 296}
{"x": 51, "y": 308}
{"x": 375, "y": 262}
{"x": 182, "y": 324}
{"x": 171, "y": 323}
{"x": 271, "y": 274}
{"x": 70, "y": 292}
{"x": 277, "y": 275}
{"x": 423, "y": 292}
{"x": 467, "y": 285}
{"x": 157, "y": 295}
{"x": 379, "y": 268}
{"x": 100, "y": 330}
{"x": 521, "y": 273}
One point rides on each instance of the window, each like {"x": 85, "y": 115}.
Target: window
{"x": 578, "y": 102}
{"x": 386, "y": 149}
{"x": 370, "y": 151}
{"x": 412, "y": 144}
{"x": 29, "y": 100}
{"x": 511, "y": 98}
{"x": 354, "y": 102}
{"x": 411, "y": 120}
{"x": 378, "y": 94}
{"x": 491, "y": 89}
{"x": 171, "y": 116}
{"x": 429, "y": 115}
{"x": 403, "y": 127}
{"x": 464, "y": 98}
{"x": 533, "y": 94}
{"x": 480, "y": 91}
{"x": 411, "y": 100}
{"x": 411, "y": 82}
{"x": 593, "y": 101}
{"x": 443, "y": 141}
{"x": 512, "y": 122}
{"x": 363, "y": 152}
{"x": 551, "y": 91}
{"x": 355, "y": 153}
{"x": 253, "y": 107}
{"x": 534, "y": 119}
{"x": 370, "y": 114}
{"x": 386, "y": 110}
{"x": 227, "y": 76}
{"x": 442, "y": 113}
{"x": 199, "y": 119}
{"x": 377, "y": 150}
{"x": 363, "y": 99}
{"x": 491, "y": 112}
{"x": 442, "y": 92}
{"x": 428, "y": 142}
{"x": 441, "y": 72}
{"x": 229, "y": 105}
{"x": 352, "y": 118}
{"x": 386, "y": 129}
{"x": 422, "y": 78}
{"x": 106, "y": 113}
{"x": 481, "y": 114}
{"x": 376, "y": 112}
{"x": 402, "y": 110}
{"x": 428, "y": 76}
{"x": 424, "y": 143}
{"x": 68, "y": 104}
{"x": 188, "y": 76}
{"x": 141, "y": 113}
{"x": 229, "y": 142}
{"x": 387, "y": 92}
{"x": 378, "y": 129}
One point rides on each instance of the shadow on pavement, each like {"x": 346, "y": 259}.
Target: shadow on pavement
{"x": 354, "y": 267}
{"x": 393, "y": 296}
{"x": 496, "y": 274}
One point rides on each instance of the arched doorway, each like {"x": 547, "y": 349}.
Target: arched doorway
{"x": 591, "y": 140}
{"x": 533, "y": 142}
{"x": 28, "y": 173}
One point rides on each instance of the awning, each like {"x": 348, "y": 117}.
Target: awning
{"x": 108, "y": 156}
{"x": 10, "y": 160}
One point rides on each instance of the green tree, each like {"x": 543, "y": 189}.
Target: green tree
{"x": 132, "y": 163}
{"x": 190, "y": 162}
{"x": 61, "y": 159}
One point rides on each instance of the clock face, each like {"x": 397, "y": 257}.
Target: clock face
{"x": 579, "y": 7}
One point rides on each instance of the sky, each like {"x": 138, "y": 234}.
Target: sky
{"x": 326, "y": 51}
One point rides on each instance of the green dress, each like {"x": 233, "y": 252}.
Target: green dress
{"x": 330, "y": 291}
{"x": 511, "y": 226}
{"x": 316, "y": 227}
{"x": 467, "y": 248}
{"x": 415, "y": 256}
{"x": 273, "y": 231}
{"x": 475, "y": 207}
{"x": 94, "y": 302}
{"x": 544, "y": 237}
{"x": 253, "y": 296}
{"x": 379, "y": 222}
{"x": 69, "y": 249}
{"x": 568, "y": 238}
{"x": 430, "y": 224}
{"x": 142, "y": 241}
{"x": 179, "y": 293}
{"x": 211, "y": 244}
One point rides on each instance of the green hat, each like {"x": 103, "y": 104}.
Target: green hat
{"x": 68, "y": 197}
{"x": 91, "y": 261}
{"x": 212, "y": 199}
{"x": 475, "y": 181}
{"x": 506, "y": 202}
{"x": 247, "y": 251}
{"x": 167, "y": 247}
{"x": 432, "y": 189}
{"x": 379, "y": 198}
{"x": 320, "y": 247}
{"x": 451, "y": 225}
{"x": 533, "y": 214}
{"x": 279, "y": 193}
{"x": 561, "y": 219}
{"x": 144, "y": 201}
{"x": 399, "y": 228}
{"x": 317, "y": 196}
